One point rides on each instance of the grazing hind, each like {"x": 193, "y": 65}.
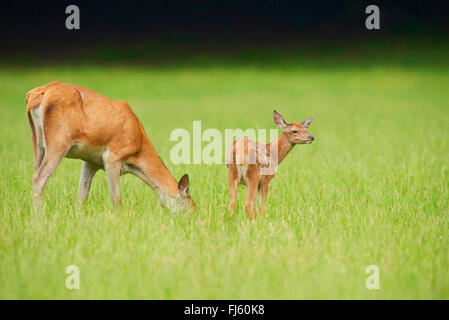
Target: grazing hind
{"x": 74, "y": 122}
{"x": 247, "y": 161}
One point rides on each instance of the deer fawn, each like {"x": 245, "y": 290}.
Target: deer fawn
{"x": 74, "y": 122}
{"x": 247, "y": 160}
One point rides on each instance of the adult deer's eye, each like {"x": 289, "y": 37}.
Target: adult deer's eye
{"x": 294, "y": 131}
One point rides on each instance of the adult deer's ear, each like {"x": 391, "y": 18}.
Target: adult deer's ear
{"x": 280, "y": 122}
{"x": 306, "y": 123}
{"x": 183, "y": 185}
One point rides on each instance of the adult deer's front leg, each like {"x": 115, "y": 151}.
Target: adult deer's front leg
{"x": 113, "y": 174}
{"x": 88, "y": 171}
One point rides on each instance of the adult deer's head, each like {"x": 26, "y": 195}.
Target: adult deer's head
{"x": 185, "y": 201}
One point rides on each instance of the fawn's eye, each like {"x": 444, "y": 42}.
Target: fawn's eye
{"x": 295, "y": 131}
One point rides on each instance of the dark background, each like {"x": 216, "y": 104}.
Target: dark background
{"x": 175, "y": 30}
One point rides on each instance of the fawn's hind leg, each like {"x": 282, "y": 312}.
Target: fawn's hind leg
{"x": 233, "y": 186}
{"x": 263, "y": 192}
{"x": 112, "y": 168}
{"x": 250, "y": 198}
{"x": 252, "y": 183}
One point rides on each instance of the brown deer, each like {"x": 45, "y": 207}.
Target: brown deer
{"x": 74, "y": 122}
{"x": 247, "y": 162}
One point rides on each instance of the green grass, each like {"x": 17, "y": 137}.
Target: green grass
{"x": 371, "y": 190}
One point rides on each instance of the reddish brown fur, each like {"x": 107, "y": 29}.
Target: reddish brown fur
{"x": 253, "y": 179}
{"x": 73, "y": 114}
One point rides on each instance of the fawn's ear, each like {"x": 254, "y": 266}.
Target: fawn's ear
{"x": 280, "y": 122}
{"x": 306, "y": 123}
{"x": 183, "y": 185}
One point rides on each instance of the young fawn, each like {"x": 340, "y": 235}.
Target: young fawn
{"x": 75, "y": 122}
{"x": 248, "y": 160}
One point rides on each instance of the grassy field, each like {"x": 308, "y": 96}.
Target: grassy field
{"x": 371, "y": 190}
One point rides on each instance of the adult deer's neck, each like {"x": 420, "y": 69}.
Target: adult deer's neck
{"x": 155, "y": 173}
{"x": 283, "y": 146}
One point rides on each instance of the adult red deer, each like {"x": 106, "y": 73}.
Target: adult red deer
{"x": 74, "y": 122}
{"x": 247, "y": 159}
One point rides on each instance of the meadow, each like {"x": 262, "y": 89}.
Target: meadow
{"x": 373, "y": 189}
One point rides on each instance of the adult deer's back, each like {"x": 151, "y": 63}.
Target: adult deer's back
{"x": 75, "y": 122}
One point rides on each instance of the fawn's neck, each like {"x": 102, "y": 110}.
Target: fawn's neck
{"x": 283, "y": 146}
{"x": 156, "y": 174}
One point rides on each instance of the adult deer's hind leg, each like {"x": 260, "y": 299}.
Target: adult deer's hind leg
{"x": 37, "y": 138}
{"x": 88, "y": 171}
{"x": 53, "y": 139}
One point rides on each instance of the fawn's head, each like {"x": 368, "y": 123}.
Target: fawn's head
{"x": 296, "y": 132}
{"x": 185, "y": 201}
